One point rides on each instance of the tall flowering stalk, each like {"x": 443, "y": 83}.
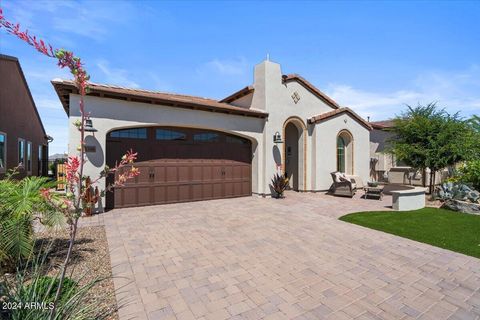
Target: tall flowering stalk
{"x": 71, "y": 205}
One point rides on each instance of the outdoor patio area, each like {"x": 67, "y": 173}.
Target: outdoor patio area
{"x": 256, "y": 258}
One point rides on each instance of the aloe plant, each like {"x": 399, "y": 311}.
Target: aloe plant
{"x": 279, "y": 184}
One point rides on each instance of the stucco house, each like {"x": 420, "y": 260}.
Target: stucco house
{"x": 191, "y": 148}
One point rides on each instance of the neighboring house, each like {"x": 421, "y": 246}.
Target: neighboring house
{"x": 56, "y": 157}
{"x": 384, "y": 167}
{"x": 191, "y": 148}
{"x": 23, "y": 141}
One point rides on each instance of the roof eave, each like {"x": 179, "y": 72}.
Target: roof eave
{"x": 64, "y": 89}
{"x": 323, "y": 117}
{"x": 238, "y": 94}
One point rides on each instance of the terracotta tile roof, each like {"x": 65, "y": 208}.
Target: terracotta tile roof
{"x": 312, "y": 89}
{"x": 333, "y": 113}
{"x": 385, "y": 124}
{"x": 237, "y": 95}
{"x": 65, "y": 87}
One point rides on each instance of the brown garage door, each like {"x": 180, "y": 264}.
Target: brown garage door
{"x": 180, "y": 165}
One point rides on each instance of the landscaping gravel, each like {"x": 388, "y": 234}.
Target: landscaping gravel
{"x": 90, "y": 260}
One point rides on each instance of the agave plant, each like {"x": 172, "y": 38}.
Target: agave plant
{"x": 457, "y": 191}
{"x": 279, "y": 184}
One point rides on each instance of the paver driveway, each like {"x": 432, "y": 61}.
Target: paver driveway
{"x": 253, "y": 258}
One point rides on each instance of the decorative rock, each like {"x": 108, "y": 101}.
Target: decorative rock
{"x": 462, "y": 206}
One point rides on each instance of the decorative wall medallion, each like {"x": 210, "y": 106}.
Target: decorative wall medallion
{"x": 295, "y": 97}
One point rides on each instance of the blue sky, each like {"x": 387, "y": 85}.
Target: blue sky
{"x": 374, "y": 57}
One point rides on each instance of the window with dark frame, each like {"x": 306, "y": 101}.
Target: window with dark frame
{"x": 134, "y": 133}
{"x": 169, "y": 135}
{"x": 206, "y": 137}
{"x": 40, "y": 160}
{"x": 3, "y": 152}
{"x": 21, "y": 152}
{"x": 29, "y": 157}
{"x": 237, "y": 140}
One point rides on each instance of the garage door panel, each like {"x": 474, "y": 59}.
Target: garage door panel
{"x": 144, "y": 196}
{"x": 197, "y": 173}
{"x": 217, "y": 173}
{"x": 217, "y": 190}
{"x": 143, "y": 177}
{"x": 197, "y": 192}
{"x": 184, "y": 174}
{"x": 229, "y": 189}
{"x": 246, "y": 187}
{"x": 159, "y": 194}
{"x": 130, "y": 196}
{"x": 118, "y": 197}
{"x": 172, "y": 194}
{"x": 171, "y": 174}
{"x": 237, "y": 188}
{"x": 207, "y": 191}
{"x": 207, "y": 173}
{"x": 184, "y": 193}
{"x": 183, "y": 169}
{"x": 160, "y": 174}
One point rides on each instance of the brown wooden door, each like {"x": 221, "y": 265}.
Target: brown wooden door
{"x": 202, "y": 165}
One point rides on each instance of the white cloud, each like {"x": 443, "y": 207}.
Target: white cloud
{"x": 48, "y": 103}
{"x": 115, "y": 76}
{"x": 77, "y": 18}
{"x": 454, "y": 91}
{"x": 229, "y": 67}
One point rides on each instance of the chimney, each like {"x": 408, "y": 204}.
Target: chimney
{"x": 267, "y": 76}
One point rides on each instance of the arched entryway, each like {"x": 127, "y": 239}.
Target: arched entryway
{"x": 294, "y": 165}
{"x": 345, "y": 152}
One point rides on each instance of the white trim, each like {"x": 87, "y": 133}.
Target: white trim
{"x": 21, "y": 164}
{"x": 29, "y": 166}
{"x": 4, "y": 169}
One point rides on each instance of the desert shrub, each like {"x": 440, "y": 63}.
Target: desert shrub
{"x": 470, "y": 173}
{"x": 46, "y": 286}
{"x": 30, "y": 293}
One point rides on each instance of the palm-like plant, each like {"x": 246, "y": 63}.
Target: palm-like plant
{"x": 21, "y": 203}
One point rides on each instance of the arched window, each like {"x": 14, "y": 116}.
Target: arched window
{"x": 345, "y": 152}
{"x": 340, "y": 154}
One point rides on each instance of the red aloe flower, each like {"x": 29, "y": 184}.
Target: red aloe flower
{"x": 71, "y": 169}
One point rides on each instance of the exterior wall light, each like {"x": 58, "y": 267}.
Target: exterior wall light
{"x": 89, "y": 126}
{"x": 277, "y": 138}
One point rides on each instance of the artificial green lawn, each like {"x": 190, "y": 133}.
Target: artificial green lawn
{"x": 447, "y": 229}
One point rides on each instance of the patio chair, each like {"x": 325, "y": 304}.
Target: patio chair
{"x": 342, "y": 185}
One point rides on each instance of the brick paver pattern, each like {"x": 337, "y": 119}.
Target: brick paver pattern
{"x": 254, "y": 258}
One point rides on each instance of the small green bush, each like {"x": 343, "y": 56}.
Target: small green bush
{"x": 470, "y": 173}
{"x": 46, "y": 287}
{"x": 31, "y": 285}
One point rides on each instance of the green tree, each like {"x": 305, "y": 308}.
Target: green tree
{"x": 475, "y": 123}
{"x": 429, "y": 137}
